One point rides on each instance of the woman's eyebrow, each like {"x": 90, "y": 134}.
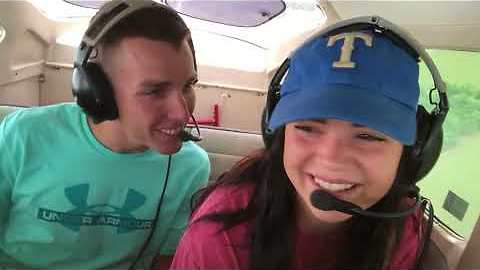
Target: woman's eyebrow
{"x": 320, "y": 121}
{"x": 358, "y": 125}
{"x": 324, "y": 121}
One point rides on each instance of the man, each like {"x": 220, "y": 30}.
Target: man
{"x": 106, "y": 184}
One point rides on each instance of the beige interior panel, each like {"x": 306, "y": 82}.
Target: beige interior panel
{"x": 25, "y": 93}
{"x": 225, "y": 147}
{"x": 470, "y": 258}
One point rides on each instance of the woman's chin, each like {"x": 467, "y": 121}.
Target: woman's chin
{"x": 330, "y": 217}
{"x": 324, "y": 221}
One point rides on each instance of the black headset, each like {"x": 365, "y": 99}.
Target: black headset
{"x": 90, "y": 85}
{"x": 418, "y": 158}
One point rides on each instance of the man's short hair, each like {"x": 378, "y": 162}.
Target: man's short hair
{"x": 162, "y": 24}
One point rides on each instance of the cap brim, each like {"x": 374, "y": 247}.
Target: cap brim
{"x": 345, "y": 102}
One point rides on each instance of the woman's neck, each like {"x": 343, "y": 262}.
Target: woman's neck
{"x": 308, "y": 223}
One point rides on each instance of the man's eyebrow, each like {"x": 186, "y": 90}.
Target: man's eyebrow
{"x": 164, "y": 84}
{"x": 155, "y": 84}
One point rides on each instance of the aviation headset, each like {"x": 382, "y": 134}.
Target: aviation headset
{"x": 418, "y": 158}
{"x": 90, "y": 85}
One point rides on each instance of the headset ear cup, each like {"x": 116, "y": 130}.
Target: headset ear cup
{"x": 79, "y": 82}
{"x": 431, "y": 154}
{"x": 94, "y": 92}
{"x": 432, "y": 142}
{"x": 273, "y": 96}
{"x": 266, "y": 136}
{"x": 428, "y": 146}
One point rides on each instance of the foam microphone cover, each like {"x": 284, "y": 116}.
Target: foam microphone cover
{"x": 323, "y": 200}
{"x": 187, "y": 136}
{"x": 327, "y": 202}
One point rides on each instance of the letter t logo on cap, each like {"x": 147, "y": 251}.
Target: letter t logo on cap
{"x": 347, "y": 48}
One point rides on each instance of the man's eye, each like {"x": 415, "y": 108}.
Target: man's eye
{"x": 370, "y": 137}
{"x": 155, "y": 92}
{"x": 188, "y": 88}
{"x": 190, "y": 85}
{"x": 150, "y": 92}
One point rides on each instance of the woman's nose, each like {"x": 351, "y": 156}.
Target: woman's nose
{"x": 332, "y": 148}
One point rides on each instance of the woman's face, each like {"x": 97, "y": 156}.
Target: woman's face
{"x": 349, "y": 161}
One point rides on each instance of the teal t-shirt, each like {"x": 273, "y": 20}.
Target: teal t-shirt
{"x": 68, "y": 202}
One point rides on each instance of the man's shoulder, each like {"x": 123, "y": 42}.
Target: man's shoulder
{"x": 195, "y": 161}
{"x": 37, "y": 119}
{"x": 42, "y": 115}
{"x": 191, "y": 150}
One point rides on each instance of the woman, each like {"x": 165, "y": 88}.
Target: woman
{"x": 343, "y": 126}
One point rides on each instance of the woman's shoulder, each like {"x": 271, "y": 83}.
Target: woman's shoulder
{"x": 405, "y": 254}
{"x": 225, "y": 198}
{"x": 207, "y": 244}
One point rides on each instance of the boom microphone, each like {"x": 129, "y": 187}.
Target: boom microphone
{"x": 327, "y": 202}
{"x": 187, "y": 136}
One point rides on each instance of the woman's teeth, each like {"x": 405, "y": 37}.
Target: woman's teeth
{"x": 334, "y": 187}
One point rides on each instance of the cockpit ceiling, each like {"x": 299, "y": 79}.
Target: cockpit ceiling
{"x": 436, "y": 24}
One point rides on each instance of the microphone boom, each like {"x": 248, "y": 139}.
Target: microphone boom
{"x": 325, "y": 201}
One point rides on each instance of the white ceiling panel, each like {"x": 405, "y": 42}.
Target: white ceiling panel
{"x": 438, "y": 24}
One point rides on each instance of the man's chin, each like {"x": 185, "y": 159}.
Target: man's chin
{"x": 168, "y": 149}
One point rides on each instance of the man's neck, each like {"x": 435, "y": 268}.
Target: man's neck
{"x": 111, "y": 135}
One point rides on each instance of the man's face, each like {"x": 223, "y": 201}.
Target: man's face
{"x": 153, "y": 88}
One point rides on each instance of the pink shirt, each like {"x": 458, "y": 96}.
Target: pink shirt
{"x": 205, "y": 246}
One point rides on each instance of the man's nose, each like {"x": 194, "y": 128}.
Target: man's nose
{"x": 177, "y": 106}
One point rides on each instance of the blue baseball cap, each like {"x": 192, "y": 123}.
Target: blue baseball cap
{"x": 361, "y": 77}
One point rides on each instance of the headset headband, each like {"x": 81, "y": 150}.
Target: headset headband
{"x": 103, "y": 21}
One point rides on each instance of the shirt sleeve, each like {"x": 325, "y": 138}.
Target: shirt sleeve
{"x": 405, "y": 256}
{"x": 184, "y": 260}
{"x": 201, "y": 241}
{"x": 205, "y": 245}
{"x": 6, "y": 173}
{"x": 199, "y": 180}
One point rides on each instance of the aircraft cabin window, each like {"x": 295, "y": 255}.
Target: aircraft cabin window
{"x": 87, "y": 3}
{"x": 452, "y": 185}
{"x": 3, "y": 33}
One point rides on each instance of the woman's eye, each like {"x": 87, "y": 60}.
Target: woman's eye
{"x": 370, "y": 137}
{"x": 304, "y": 128}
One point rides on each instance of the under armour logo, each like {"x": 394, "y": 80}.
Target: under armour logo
{"x": 347, "y": 48}
{"x": 97, "y": 214}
